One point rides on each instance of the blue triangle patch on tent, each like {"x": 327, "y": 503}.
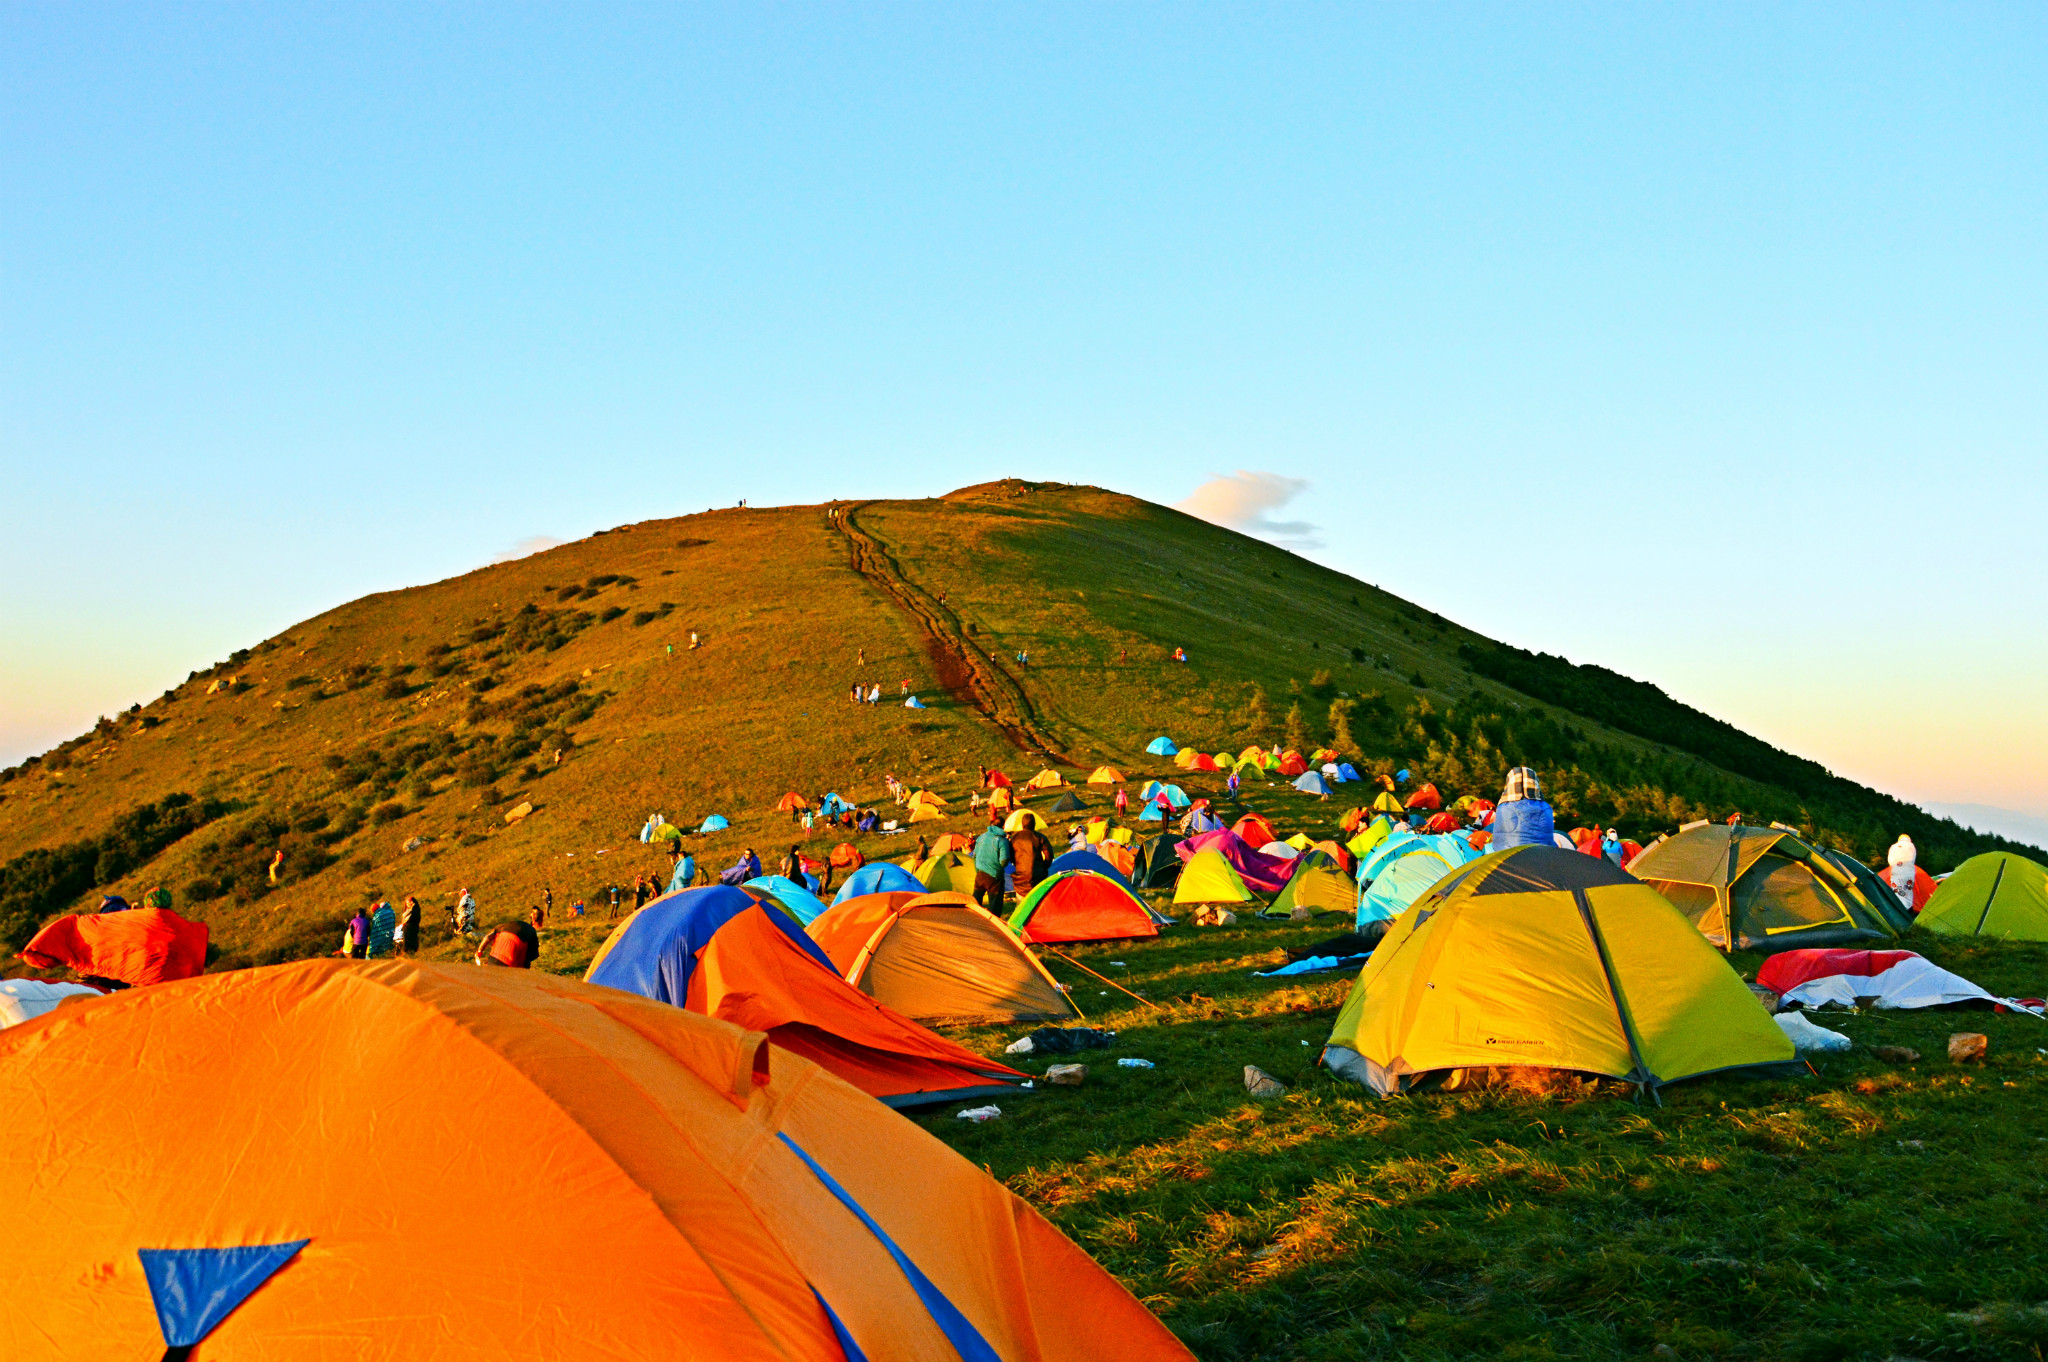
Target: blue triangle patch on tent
{"x": 196, "y": 1288}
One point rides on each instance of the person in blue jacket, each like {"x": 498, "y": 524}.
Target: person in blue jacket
{"x": 1522, "y": 818}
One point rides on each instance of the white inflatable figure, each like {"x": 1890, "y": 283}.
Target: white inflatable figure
{"x": 1901, "y": 859}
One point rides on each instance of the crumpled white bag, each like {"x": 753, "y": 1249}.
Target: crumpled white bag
{"x": 1808, "y": 1038}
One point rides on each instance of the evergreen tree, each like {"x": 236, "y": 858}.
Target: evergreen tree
{"x": 1297, "y": 729}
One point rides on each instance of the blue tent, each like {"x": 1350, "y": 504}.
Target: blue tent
{"x": 715, "y": 823}
{"x": 1312, "y": 782}
{"x": 1401, "y": 869}
{"x": 798, "y": 898}
{"x": 1162, "y": 746}
{"x": 833, "y": 805}
{"x": 654, "y": 952}
{"x": 914, "y": 703}
{"x": 878, "y": 877}
{"x": 1348, "y": 771}
{"x": 1174, "y": 794}
{"x": 1087, "y": 859}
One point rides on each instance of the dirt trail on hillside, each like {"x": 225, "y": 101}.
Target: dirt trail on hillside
{"x": 966, "y": 672}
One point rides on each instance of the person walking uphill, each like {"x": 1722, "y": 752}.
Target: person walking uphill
{"x": 1522, "y": 819}
{"x": 991, "y": 854}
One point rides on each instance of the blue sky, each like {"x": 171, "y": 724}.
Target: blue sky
{"x": 1703, "y": 342}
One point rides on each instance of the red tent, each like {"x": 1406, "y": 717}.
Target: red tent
{"x": 1586, "y": 840}
{"x": 139, "y": 946}
{"x": 1202, "y": 762}
{"x": 995, "y": 780}
{"x": 1291, "y": 764}
{"x": 1079, "y": 905}
{"x": 1255, "y": 831}
{"x": 1426, "y": 798}
{"x": 790, "y": 801}
{"x": 1443, "y": 822}
{"x": 847, "y": 856}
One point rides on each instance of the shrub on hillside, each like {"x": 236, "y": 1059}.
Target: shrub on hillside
{"x": 396, "y": 688}
{"x": 44, "y": 881}
{"x": 610, "y": 613}
{"x": 390, "y": 811}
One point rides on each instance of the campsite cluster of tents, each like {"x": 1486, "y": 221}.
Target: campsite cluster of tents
{"x": 705, "y": 1106}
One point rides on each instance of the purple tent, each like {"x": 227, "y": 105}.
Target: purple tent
{"x": 1267, "y": 874}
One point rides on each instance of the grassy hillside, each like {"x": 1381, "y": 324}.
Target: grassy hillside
{"x": 424, "y": 715}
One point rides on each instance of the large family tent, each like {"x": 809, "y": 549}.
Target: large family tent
{"x": 796, "y": 899}
{"x": 943, "y": 870}
{"x": 1536, "y": 957}
{"x": 1162, "y": 746}
{"x": 1079, "y": 905}
{"x": 1208, "y": 878}
{"x": 939, "y": 958}
{"x": 1158, "y": 866}
{"x": 878, "y": 877}
{"x": 260, "y": 1162}
{"x": 1318, "y": 884}
{"x": 1996, "y": 894}
{"x": 1400, "y": 869}
{"x": 1760, "y": 889}
{"x": 137, "y": 946}
{"x": 719, "y": 952}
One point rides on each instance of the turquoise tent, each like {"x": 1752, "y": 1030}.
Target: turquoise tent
{"x": 878, "y": 877}
{"x": 1401, "y": 869}
{"x": 798, "y": 898}
{"x": 715, "y": 823}
{"x": 1312, "y": 782}
{"x": 1162, "y": 746}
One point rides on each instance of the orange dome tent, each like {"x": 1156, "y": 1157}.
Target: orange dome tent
{"x": 790, "y": 802}
{"x": 1443, "y": 822}
{"x": 1292, "y": 764}
{"x": 1255, "y": 830}
{"x": 137, "y": 946}
{"x": 1080, "y": 905}
{"x": 719, "y": 952}
{"x": 1426, "y": 798}
{"x": 938, "y": 957}
{"x": 995, "y": 780}
{"x": 706, "y": 1187}
{"x": 951, "y": 841}
{"x": 847, "y": 856}
{"x": 1105, "y": 775}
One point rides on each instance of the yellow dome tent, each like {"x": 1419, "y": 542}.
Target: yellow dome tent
{"x": 1776, "y": 891}
{"x": 1209, "y": 878}
{"x": 946, "y": 870}
{"x": 1048, "y": 779}
{"x": 1105, "y": 775}
{"x": 1537, "y": 957}
{"x": 1024, "y": 818}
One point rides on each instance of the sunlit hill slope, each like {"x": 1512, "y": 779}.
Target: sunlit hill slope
{"x": 378, "y": 746}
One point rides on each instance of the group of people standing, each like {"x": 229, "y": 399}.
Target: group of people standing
{"x": 1025, "y": 853}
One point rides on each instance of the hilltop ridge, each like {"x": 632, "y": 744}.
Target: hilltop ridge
{"x": 378, "y": 745}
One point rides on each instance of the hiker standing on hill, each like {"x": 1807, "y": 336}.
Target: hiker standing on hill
{"x": 643, "y": 890}
{"x": 383, "y": 926}
{"x": 409, "y": 927}
{"x": 465, "y": 912}
{"x": 793, "y": 865}
{"x": 991, "y": 854}
{"x": 1123, "y": 801}
{"x": 924, "y": 851}
{"x": 684, "y": 874}
{"x": 615, "y": 900}
{"x": 357, "y": 943}
{"x": 1522, "y": 818}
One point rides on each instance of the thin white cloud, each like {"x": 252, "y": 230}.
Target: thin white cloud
{"x": 1245, "y": 502}
{"x": 533, "y": 543}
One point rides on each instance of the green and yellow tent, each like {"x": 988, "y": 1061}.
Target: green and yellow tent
{"x": 1318, "y": 884}
{"x": 1763, "y": 889}
{"x": 1997, "y": 894}
{"x": 1537, "y": 957}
